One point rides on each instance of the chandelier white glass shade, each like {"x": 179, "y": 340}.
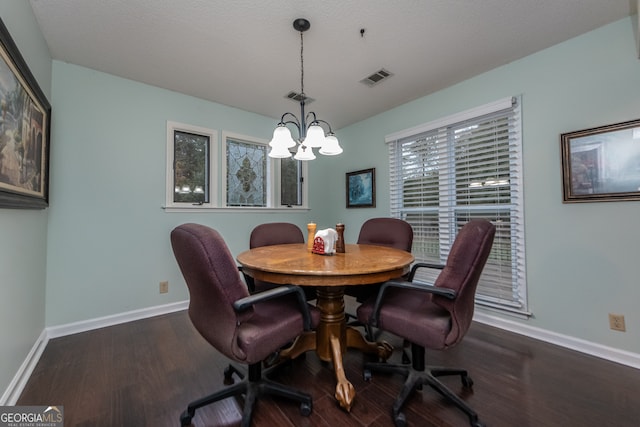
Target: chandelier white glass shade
{"x": 311, "y": 134}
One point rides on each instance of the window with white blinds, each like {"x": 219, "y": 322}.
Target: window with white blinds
{"x": 447, "y": 172}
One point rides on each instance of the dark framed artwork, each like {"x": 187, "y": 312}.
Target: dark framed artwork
{"x": 361, "y": 188}
{"x": 25, "y": 120}
{"x": 601, "y": 164}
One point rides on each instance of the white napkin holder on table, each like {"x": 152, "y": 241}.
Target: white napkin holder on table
{"x": 324, "y": 242}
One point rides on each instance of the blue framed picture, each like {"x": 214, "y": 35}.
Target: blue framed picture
{"x": 361, "y": 189}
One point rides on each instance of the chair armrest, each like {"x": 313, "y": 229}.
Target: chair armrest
{"x": 423, "y": 287}
{"x": 246, "y": 302}
{"x": 422, "y": 265}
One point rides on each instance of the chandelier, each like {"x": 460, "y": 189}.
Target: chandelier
{"x": 311, "y": 134}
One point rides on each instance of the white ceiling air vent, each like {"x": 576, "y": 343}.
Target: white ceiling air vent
{"x": 296, "y": 96}
{"x": 376, "y": 77}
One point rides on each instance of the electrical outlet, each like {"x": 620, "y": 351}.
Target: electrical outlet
{"x": 164, "y": 287}
{"x": 616, "y": 322}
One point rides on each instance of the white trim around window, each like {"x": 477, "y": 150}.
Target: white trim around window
{"x": 265, "y": 171}
{"x": 216, "y": 170}
{"x": 273, "y": 176}
{"x": 211, "y": 165}
{"x": 464, "y": 166}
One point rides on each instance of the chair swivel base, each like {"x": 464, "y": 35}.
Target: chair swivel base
{"x": 252, "y": 388}
{"x": 416, "y": 376}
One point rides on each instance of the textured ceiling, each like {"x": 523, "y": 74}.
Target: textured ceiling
{"x": 246, "y": 54}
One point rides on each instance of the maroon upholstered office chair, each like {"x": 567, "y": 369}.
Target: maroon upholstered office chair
{"x": 245, "y": 328}
{"x": 432, "y": 316}
{"x": 390, "y": 232}
{"x": 275, "y": 233}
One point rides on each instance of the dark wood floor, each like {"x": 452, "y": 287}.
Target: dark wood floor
{"x": 144, "y": 373}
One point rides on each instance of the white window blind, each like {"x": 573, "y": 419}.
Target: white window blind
{"x": 447, "y": 172}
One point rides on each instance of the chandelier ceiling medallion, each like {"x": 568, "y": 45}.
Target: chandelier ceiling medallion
{"x": 311, "y": 134}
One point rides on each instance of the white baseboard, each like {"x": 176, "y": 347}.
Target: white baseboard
{"x": 16, "y": 386}
{"x": 114, "y": 319}
{"x": 14, "y": 390}
{"x": 609, "y": 353}
{"x": 12, "y": 393}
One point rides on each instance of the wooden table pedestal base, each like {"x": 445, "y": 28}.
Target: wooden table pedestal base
{"x": 331, "y": 339}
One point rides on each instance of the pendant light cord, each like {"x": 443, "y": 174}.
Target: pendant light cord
{"x": 302, "y": 67}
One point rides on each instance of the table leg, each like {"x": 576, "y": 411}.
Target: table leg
{"x": 331, "y": 339}
{"x": 356, "y": 340}
{"x": 302, "y": 344}
{"x": 345, "y": 393}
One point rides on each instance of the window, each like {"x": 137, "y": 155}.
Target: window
{"x": 245, "y": 175}
{"x": 291, "y": 182}
{"x": 253, "y": 179}
{"x": 444, "y": 173}
{"x": 191, "y": 154}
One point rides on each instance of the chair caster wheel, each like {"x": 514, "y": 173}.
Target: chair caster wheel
{"x": 467, "y": 382}
{"x": 185, "y": 418}
{"x": 400, "y": 420}
{"x": 477, "y": 424}
{"x": 367, "y": 375}
{"x": 228, "y": 376}
{"x": 306, "y": 408}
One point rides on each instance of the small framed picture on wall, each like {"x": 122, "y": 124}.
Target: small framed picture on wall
{"x": 361, "y": 188}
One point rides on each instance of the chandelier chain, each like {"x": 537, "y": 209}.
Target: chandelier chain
{"x": 302, "y": 65}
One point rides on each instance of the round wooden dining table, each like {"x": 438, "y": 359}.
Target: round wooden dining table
{"x": 358, "y": 265}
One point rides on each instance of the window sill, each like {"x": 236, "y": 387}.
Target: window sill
{"x": 232, "y": 209}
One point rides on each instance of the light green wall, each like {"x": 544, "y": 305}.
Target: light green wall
{"x": 108, "y": 245}
{"x": 582, "y": 259}
{"x": 23, "y": 233}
